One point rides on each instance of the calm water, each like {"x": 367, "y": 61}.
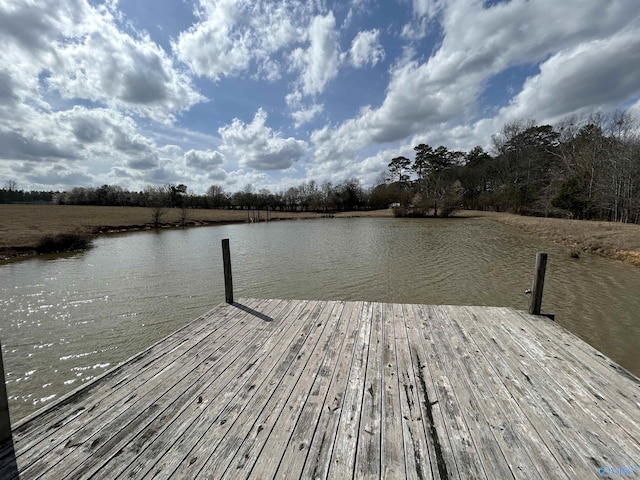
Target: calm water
{"x": 65, "y": 320}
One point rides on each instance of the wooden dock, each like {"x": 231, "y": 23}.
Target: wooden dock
{"x": 329, "y": 389}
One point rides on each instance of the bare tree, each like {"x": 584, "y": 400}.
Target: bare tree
{"x": 216, "y": 195}
{"x": 157, "y": 198}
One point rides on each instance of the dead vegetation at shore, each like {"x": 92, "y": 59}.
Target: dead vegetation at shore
{"x": 620, "y": 241}
{"x": 22, "y": 227}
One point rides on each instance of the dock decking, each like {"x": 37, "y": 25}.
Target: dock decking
{"x": 331, "y": 389}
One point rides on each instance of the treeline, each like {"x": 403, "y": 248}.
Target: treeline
{"x": 308, "y": 196}
{"x": 584, "y": 168}
{"x": 581, "y": 168}
{"x": 22, "y": 196}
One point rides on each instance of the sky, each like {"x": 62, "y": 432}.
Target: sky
{"x": 274, "y": 93}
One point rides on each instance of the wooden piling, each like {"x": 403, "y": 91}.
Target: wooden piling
{"x": 228, "y": 280}
{"x": 538, "y": 284}
{"x": 5, "y": 420}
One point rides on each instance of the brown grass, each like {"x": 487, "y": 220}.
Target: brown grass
{"x": 387, "y": 212}
{"x": 620, "y": 241}
{"x": 23, "y": 226}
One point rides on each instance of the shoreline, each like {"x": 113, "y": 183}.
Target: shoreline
{"x": 22, "y": 226}
{"x": 616, "y": 241}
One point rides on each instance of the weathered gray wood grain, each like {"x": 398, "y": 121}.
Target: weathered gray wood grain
{"x": 321, "y": 389}
{"x": 217, "y": 441}
{"x": 294, "y": 455}
{"x": 368, "y": 455}
{"x": 322, "y": 443}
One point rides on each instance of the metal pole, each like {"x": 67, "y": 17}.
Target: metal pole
{"x": 228, "y": 281}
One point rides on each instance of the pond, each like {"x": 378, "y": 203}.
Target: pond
{"x": 69, "y": 318}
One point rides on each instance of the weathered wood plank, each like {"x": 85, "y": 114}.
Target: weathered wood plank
{"x": 66, "y": 409}
{"x": 467, "y": 460}
{"x": 319, "y": 389}
{"x": 591, "y": 371}
{"x": 563, "y": 407}
{"x": 321, "y": 446}
{"x": 423, "y": 358}
{"x": 228, "y": 276}
{"x": 423, "y": 445}
{"x": 493, "y": 462}
{"x": 151, "y": 444}
{"x": 510, "y": 371}
{"x": 344, "y": 448}
{"x": 326, "y": 383}
{"x": 307, "y": 403}
{"x": 509, "y": 427}
{"x": 109, "y": 399}
{"x": 268, "y": 410}
{"x": 416, "y": 450}
{"x": 393, "y": 465}
{"x": 538, "y": 284}
{"x": 179, "y": 384}
{"x": 212, "y": 432}
{"x": 245, "y": 439}
{"x": 543, "y": 403}
{"x": 368, "y": 454}
{"x": 260, "y": 455}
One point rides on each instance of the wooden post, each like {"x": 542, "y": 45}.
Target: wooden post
{"x": 538, "y": 284}
{"x": 5, "y": 420}
{"x": 228, "y": 281}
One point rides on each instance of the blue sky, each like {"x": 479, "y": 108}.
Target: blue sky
{"x": 274, "y": 93}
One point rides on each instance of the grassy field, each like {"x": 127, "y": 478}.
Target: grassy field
{"x": 23, "y": 226}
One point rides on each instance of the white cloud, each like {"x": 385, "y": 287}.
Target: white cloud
{"x": 232, "y": 34}
{"x": 100, "y": 145}
{"x": 66, "y": 52}
{"x": 212, "y": 48}
{"x": 491, "y": 39}
{"x": 300, "y": 112}
{"x": 415, "y": 30}
{"x": 424, "y": 11}
{"x": 79, "y": 52}
{"x": 455, "y": 89}
{"x": 366, "y": 49}
{"x": 478, "y": 43}
{"x": 32, "y": 26}
{"x": 237, "y": 180}
{"x": 24, "y": 146}
{"x": 635, "y": 109}
{"x": 319, "y": 63}
{"x": 60, "y": 176}
{"x": 305, "y": 115}
{"x": 427, "y": 8}
{"x": 203, "y": 160}
{"x": 569, "y": 83}
{"x": 136, "y": 75}
{"x": 365, "y": 167}
{"x": 257, "y": 146}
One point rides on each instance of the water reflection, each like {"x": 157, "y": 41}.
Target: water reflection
{"x": 67, "y": 319}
